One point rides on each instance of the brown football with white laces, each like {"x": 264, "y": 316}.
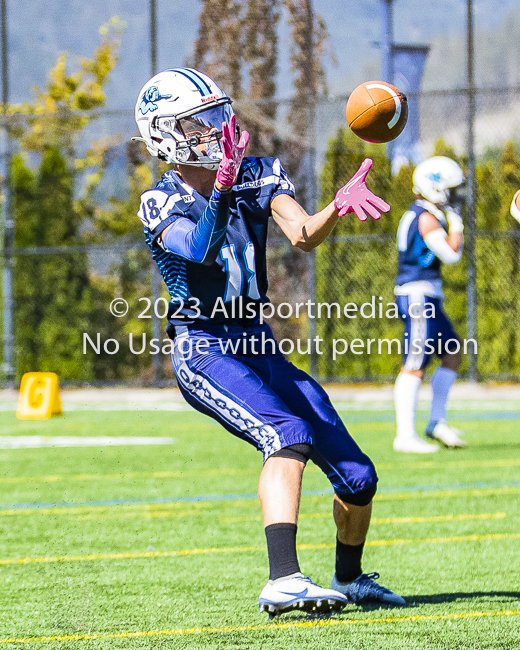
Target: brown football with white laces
{"x": 377, "y": 111}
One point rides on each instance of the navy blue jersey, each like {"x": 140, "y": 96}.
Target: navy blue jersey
{"x": 238, "y": 274}
{"x": 416, "y": 261}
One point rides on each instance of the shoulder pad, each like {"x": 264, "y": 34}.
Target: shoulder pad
{"x": 158, "y": 205}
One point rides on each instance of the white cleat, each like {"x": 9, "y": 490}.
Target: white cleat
{"x": 448, "y": 436}
{"x": 297, "y": 592}
{"x": 414, "y": 445}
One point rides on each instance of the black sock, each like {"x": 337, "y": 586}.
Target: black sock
{"x": 281, "y": 549}
{"x": 348, "y": 561}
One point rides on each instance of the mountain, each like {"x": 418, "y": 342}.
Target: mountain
{"x": 40, "y": 30}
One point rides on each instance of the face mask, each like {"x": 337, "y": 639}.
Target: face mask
{"x": 213, "y": 151}
{"x": 204, "y": 122}
{"x": 457, "y": 197}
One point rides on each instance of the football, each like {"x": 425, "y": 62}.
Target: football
{"x": 377, "y": 111}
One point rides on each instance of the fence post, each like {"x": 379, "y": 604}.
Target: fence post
{"x": 155, "y": 275}
{"x": 311, "y": 193}
{"x": 7, "y": 283}
{"x": 387, "y": 73}
{"x": 470, "y": 230}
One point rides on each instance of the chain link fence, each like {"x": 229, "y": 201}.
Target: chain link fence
{"x": 63, "y": 292}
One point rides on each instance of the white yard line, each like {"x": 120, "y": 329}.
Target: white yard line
{"x": 25, "y": 442}
{"x": 464, "y": 396}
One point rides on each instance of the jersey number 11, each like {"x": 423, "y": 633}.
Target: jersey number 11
{"x": 235, "y": 272}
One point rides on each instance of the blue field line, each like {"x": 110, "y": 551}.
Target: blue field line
{"x": 237, "y": 497}
{"x": 351, "y": 412}
{"x": 357, "y": 417}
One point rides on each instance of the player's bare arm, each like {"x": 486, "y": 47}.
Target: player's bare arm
{"x": 307, "y": 232}
{"x": 302, "y": 230}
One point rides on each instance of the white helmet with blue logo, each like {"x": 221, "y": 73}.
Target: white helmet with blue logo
{"x": 179, "y": 109}
{"x": 434, "y": 177}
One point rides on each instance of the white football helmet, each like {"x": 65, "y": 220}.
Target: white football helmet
{"x": 177, "y": 110}
{"x": 434, "y": 177}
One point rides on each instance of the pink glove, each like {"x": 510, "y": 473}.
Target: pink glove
{"x": 233, "y": 153}
{"x": 356, "y": 197}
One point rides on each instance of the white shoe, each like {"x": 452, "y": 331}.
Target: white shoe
{"x": 414, "y": 445}
{"x": 447, "y": 435}
{"x": 297, "y": 592}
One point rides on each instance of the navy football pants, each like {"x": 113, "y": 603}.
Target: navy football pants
{"x": 265, "y": 400}
{"x": 428, "y": 330}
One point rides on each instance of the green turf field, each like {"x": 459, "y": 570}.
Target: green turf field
{"x": 100, "y": 547}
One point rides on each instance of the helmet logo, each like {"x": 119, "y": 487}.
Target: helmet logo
{"x": 210, "y": 98}
{"x": 151, "y": 96}
{"x": 435, "y": 177}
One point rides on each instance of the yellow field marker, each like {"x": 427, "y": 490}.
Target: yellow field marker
{"x": 39, "y": 397}
{"x": 436, "y": 494}
{"x": 392, "y": 496}
{"x": 266, "y": 626}
{"x": 54, "y": 478}
{"x": 455, "y": 464}
{"x": 249, "y": 549}
{"x": 420, "y": 520}
{"x": 159, "y": 514}
{"x": 422, "y": 540}
{"x": 388, "y": 520}
{"x": 126, "y": 556}
{"x": 81, "y": 510}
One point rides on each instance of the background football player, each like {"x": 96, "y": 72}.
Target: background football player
{"x": 206, "y": 224}
{"x": 429, "y": 233}
{"x": 515, "y": 206}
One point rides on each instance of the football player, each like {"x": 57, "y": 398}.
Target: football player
{"x": 429, "y": 234}
{"x": 206, "y": 224}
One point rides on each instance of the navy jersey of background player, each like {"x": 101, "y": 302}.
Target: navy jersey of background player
{"x": 240, "y": 267}
{"x": 416, "y": 260}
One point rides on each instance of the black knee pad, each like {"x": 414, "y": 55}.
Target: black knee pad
{"x": 300, "y": 451}
{"x": 362, "y": 498}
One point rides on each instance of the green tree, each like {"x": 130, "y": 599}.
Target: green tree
{"x": 55, "y": 294}
{"x": 498, "y": 259}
